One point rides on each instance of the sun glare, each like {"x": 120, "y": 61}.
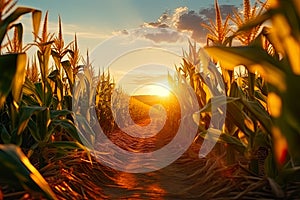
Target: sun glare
{"x": 153, "y": 89}
{"x": 159, "y": 90}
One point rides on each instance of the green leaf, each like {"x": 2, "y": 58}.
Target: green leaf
{"x": 26, "y": 113}
{"x": 43, "y": 94}
{"x": 67, "y": 125}
{"x": 38, "y": 92}
{"x": 84, "y": 129}
{"x": 216, "y": 102}
{"x": 259, "y": 113}
{"x": 43, "y": 120}
{"x": 223, "y": 138}
{"x": 32, "y": 126}
{"x": 49, "y": 94}
{"x": 5, "y": 136}
{"x": 19, "y": 77}
{"x": 16, "y": 139}
{"x": 29, "y": 90}
{"x": 16, "y": 168}
{"x": 237, "y": 116}
{"x": 254, "y": 59}
{"x": 261, "y": 139}
{"x": 54, "y": 114}
{"x": 269, "y": 165}
{"x": 235, "y": 142}
{"x": 8, "y": 68}
{"x": 12, "y": 67}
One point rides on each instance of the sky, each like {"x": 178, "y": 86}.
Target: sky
{"x": 115, "y": 29}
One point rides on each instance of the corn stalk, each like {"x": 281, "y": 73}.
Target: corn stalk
{"x": 280, "y": 70}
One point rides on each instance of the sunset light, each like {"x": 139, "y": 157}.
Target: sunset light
{"x": 153, "y": 89}
{"x": 131, "y": 99}
{"x": 159, "y": 90}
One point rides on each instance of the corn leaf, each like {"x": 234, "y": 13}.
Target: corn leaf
{"x": 84, "y": 129}
{"x": 16, "y": 168}
{"x": 269, "y": 164}
{"x": 5, "y": 135}
{"x": 19, "y": 77}
{"x": 36, "y": 20}
{"x": 67, "y": 125}
{"x": 254, "y": 59}
{"x": 259, "y": 113}
{"x": 8, "y": 68}
{"x": 54, "y": 114}
{"x": 26, "y": 113}
{"x": 43, "y": 120}
{"x": 4, "y": 25}
{"x": 68, "y": 69}
{"x": 231, "y": 140}
{"x": 238, "y": 117}
{"x": 214, "y": 135}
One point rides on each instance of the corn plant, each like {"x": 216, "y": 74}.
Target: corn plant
{"x": 248, "y": 14}
{"x": 92, "y": 100}
{"x": 32, "y": 72}
{"x": 13, "y": 63}
{"x": 18, "y": 59}
{"x": 245, "y": 94}
{"x": 83, "y": 102}
{"x": 63, "y": 85}
{"x": 104, "y": 92}
{"x": 280, "y": 71}
{"x": 219, "y": 34}
{"x": 22, "y": 173}
{"x": 46, "y": 117}
{"x": 37, "y": 116}
{"x": 218, "y": 31}
{"x": 14, "y": 164}
{"x": 72, "y": 66}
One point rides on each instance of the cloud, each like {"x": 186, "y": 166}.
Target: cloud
{"x": 191, "y": 22}
{"x": 155, "y": 33}
{"x": 188, "y": 21}
{"x": 178, "y": 12}
{"x": 164, "y": 35}
{"x": 122, "y": 32}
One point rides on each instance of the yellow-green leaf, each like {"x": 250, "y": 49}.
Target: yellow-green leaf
{"x": 255, "y": 59}
{"x": 16, "y": 168}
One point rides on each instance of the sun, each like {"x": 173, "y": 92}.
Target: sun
{"x": 155, "y": 89}
{"x": 159, "y": 90}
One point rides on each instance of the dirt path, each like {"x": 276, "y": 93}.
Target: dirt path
{"x": 179, "y": 180}
{"x": 74, "y": 176}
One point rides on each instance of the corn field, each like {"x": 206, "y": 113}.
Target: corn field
{"x": 254, "y": 55}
